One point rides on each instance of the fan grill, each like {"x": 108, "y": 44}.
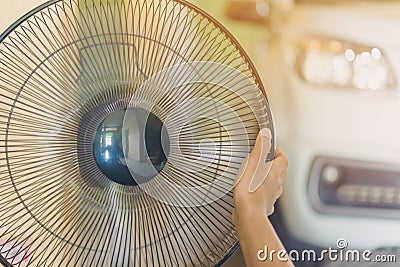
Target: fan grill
{"x": 68, "y": 64}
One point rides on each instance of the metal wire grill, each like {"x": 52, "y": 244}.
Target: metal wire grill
{"x": 68, "y": 64}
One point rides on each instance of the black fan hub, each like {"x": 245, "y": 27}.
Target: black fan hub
{"x": 133, "y": 153}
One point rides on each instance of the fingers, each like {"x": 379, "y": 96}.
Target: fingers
{"x": 252, "y": 174}
{"x": 281, "y": 159}
{"x": 278, "y": 193}
{"x": 279, "y": 166}
{"x": 274, "y": 199}
{"x": 271, "y": 211}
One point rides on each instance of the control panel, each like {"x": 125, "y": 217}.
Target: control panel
{"x": 354, "y": 187}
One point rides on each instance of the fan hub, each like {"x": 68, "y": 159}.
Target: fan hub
{"x": 131, "y": 146}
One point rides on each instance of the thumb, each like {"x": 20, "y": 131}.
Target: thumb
{"x": 262, "y": 168}
{"x": 257, "y": 155}
{"x": 262, "y": 144}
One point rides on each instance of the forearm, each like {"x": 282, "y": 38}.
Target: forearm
{"x": 259, "y": 242}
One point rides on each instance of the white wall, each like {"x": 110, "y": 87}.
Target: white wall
{"x": 10, "y": 11}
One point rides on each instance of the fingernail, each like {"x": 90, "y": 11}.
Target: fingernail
{"x": 265, "y": 132}
{"x": 259, "y": 176}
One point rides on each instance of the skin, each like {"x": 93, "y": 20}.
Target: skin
{"x": 252, "y": 207}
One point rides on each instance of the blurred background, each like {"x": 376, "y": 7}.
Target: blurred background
{"x": 331, "y": 69}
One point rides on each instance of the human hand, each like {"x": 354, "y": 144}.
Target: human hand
{"x": 259, "y": 184}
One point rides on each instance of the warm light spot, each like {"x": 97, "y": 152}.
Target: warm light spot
{"x": 350, "y": 54}
{"x": 376, "y": 53}
{"x": 336, "y": 47}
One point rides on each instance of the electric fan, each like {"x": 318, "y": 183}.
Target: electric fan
{"x": 123, "y": 124}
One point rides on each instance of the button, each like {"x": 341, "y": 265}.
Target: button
{"x": 330, "y": 174}
{"x": 347, "y": 192}
{"x": 375, "y": 194}
{"x": 389, "y": 195}
{"x": 362, "y": 194}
